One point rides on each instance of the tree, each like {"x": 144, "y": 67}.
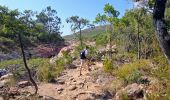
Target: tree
{"x": 17, "y": 27}
{"x": 161, "y": 28}
{"x": 78, "y": 23}
{"x": 159, "y": 24}
{"x": 50, "y": 21}
{"x": 108, "y": 18}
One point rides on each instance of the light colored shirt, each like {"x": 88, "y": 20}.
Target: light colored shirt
{"x": 86, "y": 52}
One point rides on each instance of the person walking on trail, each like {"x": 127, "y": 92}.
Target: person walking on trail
{"x": 83, "y": 59}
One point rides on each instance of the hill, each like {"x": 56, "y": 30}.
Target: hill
{"x": 86, "y": 33}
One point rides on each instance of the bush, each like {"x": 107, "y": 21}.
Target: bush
{"x": 133, "y": 77}
{"x": 37, "y": 62}
{"x": 108, "y": 66}
{"x": 7, "y": 63}
{"x": 131, "y": 71}
{"x": 6, "y": 44}
{"x": 47, "y": 70}
{"x": 17, "y": 67}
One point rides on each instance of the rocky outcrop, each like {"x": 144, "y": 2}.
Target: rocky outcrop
{"x": 67, "y": 49}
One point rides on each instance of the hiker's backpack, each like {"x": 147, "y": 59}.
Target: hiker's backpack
{"x": 82, "y": 53}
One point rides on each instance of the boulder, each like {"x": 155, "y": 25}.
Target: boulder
{"x": 65, "y": 49}
{"x": 59, "y": 90}
{"x": 7, "y": 76}
{"x": 89, "y": 95}
{"x": 60, "y": 54}
{"x": 23, "y": 84}
{"x": 60, "y": 81}
{"x": 133, "y": 91}
{"x": 2, "y": 84}
{"x": 73, "y": 87}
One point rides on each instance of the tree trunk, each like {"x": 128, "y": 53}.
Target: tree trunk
{"x": 25, "y": 63}
{"x": 110, "y": 43}
{"x": 160, "y": 27}
{"x": 138, "y": 41}
{"x": 81, "y": 42}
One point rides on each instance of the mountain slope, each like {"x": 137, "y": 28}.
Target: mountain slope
{"x": 86, "y": 33}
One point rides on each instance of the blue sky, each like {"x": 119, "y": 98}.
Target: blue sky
{"x": 84, "y": 8}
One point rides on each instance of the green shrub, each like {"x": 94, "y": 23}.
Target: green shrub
{"x": 36, "y": 62}
{"x": 132, "y": 70}
{"x": 7, "y": 63}
{"x": 133, "y": 77}
{"x": 66, "y": 59}
{"x": 6, "y": 44}
{"x": 47, "y": 71}
{"x": 108, "y": 66}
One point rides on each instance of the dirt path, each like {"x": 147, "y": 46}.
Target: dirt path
{"x": 71, "y": 86}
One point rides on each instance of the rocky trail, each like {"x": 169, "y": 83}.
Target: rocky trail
{"x": 71, "y": 86}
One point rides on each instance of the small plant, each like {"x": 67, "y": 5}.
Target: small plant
{"x": 133, "y": 77}
{"x": 107, "y": 64}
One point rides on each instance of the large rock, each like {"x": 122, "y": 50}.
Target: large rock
{"x": 89, "y": 95}
{"x": 60, "y": 54}
{"x": 2, "y": 84}
{"x": 72, "y": 87}
{"x": 65, "y": 49}
{"x": 133, "y": 91}
{"x": 7, "y": 76}
{"x": 23, "y": 84}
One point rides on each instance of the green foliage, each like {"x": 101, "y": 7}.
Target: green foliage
{"x": 108, "y": 65}
{"x": 32, "y": 29}
{"x": 78, "y": 49}
{"x": 133, "y": 77}
{"x": 7, "y": 63}
{"x": 33, "y": 63}
{"x": 101, "y": 40}
{"x": 37, "y": 62}
{"x": 132, "y": 71}
{"x": 110, "y": 11}
{"x": 17, "y": 66}
{"x": 46, "y": 71}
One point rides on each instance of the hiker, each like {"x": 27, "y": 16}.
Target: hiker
{"x": 83, "y": 59}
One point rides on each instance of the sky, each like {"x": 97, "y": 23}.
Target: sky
{"x": 65, "y": 8}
